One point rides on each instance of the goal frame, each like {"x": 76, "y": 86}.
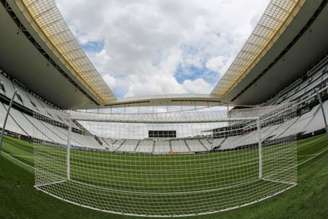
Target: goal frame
{"x": 253, "y": 124}
{"x": 256, "y": 119}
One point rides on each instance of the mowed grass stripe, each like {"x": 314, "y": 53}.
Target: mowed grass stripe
{"x": 305, "y": 201}
{"x": 102, "y": 179}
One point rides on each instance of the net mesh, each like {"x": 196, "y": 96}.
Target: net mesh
{"x": 192, "y": 163}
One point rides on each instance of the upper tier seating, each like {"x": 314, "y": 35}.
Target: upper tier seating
{"x": 30, "y": 101}
{"x": 305, "y": 86}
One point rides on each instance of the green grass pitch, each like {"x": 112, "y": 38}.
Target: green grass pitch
{"x": 22, "y": 201}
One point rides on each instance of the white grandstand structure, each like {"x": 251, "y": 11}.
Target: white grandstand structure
{"x": 276, "y": 91}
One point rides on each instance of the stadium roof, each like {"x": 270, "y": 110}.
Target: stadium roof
{"x": 272, "y": 24}
{"x": 169, "y": 100}
{"x": 46, "y": 31}
{"x": 296, "y": 46}
{"x": 59, "y": 70}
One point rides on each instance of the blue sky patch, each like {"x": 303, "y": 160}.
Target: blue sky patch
{"x": 119, "y": 92}
{"x": 94, "y": 46}
{"x": 191, "y": 72}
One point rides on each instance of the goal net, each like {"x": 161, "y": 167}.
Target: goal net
{"x": 167, "y": 163}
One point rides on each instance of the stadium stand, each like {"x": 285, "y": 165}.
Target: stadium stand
{"x": 162, "y": 147}
{"x": 179, "y": 146}
{"x": 23, "y": 124}
{"x": 195, "y": 145}
{"x": 305, "y": 86}
{"x": 38, "y": 114}
{"x": 128, "y": 145}
{"x": 308, "y": 121}
{"x": 145, "y": 146}
{"x": 206, "y": 143}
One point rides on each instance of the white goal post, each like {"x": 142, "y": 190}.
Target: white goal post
{"x": 258, "y": 126}
{"x": 168, "y": 164}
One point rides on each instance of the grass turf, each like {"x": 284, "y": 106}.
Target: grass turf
{"x": 22, "y": 201}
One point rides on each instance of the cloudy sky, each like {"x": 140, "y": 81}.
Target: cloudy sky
{"x": 155, "y": 47}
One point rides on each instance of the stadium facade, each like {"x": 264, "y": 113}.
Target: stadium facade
{"x": 276, "y": 89}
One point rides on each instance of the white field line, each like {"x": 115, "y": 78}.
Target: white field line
{"x": 10, "y": 157}
{"x": 278, "y": 181}
{"x": 23, "y": 156}
{"x": 313, "y": 157}
{"x": 166, "y": 216}
{"x": 166, "y": 194}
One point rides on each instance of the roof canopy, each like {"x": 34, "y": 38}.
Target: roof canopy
{"x": 272, "y": 24}
{"x": 44, "y": 24}
{"x": 47, "y": 21}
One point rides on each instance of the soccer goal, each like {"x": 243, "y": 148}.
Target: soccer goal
{"x": 167, "y": 164}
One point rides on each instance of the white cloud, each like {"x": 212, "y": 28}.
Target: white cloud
{"x": 199, "y": 86}
{"x": 216, "y": 63}
{"x": 146, "y": 40}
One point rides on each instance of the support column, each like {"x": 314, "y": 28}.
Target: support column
{"x": 6, "y": 118}
{"x": 259, "y": 138}
{"x": 228, "y": 113}
{"x": 68, "y": 150}
{"x": 323, "y": 111}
